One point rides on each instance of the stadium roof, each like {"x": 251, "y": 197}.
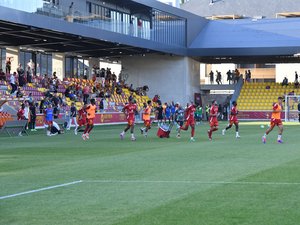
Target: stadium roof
{"x": 236, "y": 40}
{"x": 246, "y": 8}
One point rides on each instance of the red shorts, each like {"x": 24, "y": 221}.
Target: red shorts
{"x": 49, "y": 123}
{"x": 82, "y": 122}
{"x": 130, "y": 122}
{"x": 213, "y": 122}
{"x": 190, "y": 122}
{"x": 147, "y": 123}
{"x": 233, "y": 121}
{"x": 90, "y": 121}
{"x": 275, "y": 122}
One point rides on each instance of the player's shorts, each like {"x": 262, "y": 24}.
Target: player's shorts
{"x": 190, "y": 122}
{"x": 147, "y": 123}
{"x": 275, "y": 122}
{"x": 130, "y": 122}
{"x": 213, "y": 122}
{"x": 49, "y": 123}
{"x": 82, "y": 122}
{"x": 233, "y": 121}
{"x": 90, "y": 121}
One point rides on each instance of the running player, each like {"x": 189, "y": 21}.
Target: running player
{"x": 213, "y": 120}
{"x": 233, "y": 120}
{"x": 275, "y": 121}
{"x": 146, "y": 118}
{"x": 189, "y": 120}
{"x": 81, "y": 118}
{"x": 129, "y": 110}
{"x": 90, "y": 114}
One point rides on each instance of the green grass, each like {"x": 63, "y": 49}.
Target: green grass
{"x": 152, "y": 181}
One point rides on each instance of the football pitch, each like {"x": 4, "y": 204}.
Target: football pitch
{"x": 63, "y": 180}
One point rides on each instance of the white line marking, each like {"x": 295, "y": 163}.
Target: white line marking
{"x": 192, "y": 182}
{"x": 40, "y": 189}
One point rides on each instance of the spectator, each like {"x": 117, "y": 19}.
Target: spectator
{"x": 249, "y": 75}
{"x": 32, "y": 110}
{"x": 21, "y": 75}
{"x": 86, "y": 74}
{"x": 8, "y": 65}
{"x": 229, "y": 76}
{"x": 30, "y": 98}
{"x": 19, "y": 93}
{"x": 296, "y": 83}
{"x": 42, "y": 104}
{"x": 73, "y": 114}
{"x": 207, "y": 108}
{"x": 56, "y": 111}
{"x": 12, "y": 81}
{"x": 237, "y": 75}
{"x": 198, "y": 114}
{"x": 211, "y": 77}
{"x": 29, "y": 75}
{"x": 119, "y": 90}
{"x": 285, "y": 82}
{"x": 219, "y": 77}
{"x": 86, "y": 94}
{"x": 2, "y": 75}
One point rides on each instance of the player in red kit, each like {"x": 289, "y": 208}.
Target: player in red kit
{"x": 129, "y": 110}
{"x": 233, "y": 120}
{"x": 213, "y": 120}
{"x": 81, "y": 118}
{"x": 189, "y": 120}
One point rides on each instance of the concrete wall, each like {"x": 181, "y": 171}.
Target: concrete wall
{"x": 287, "y": 70}
{"x": 58, "y": 65}
{"x": 174, "y": 78}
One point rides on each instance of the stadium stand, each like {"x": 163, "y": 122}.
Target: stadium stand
{"x": 4, "y": 117}
{"x": 261, "y": 96}
{"x": 114, "y": 102}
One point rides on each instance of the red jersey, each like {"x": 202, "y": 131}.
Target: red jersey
{"x": 213, "y": 111}
{"x": 20, "y": 114}
{"x": 213, "y": 121}
{"x": 233, "y": 113}
{"x": 81, "y": 117}
{"x": 190, "y": 112}
{"x": 130, "y": 110}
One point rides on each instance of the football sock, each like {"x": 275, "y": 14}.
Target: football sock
{"x": 132, "y": 135}
{"x": 91, "y": 128}
{"x": 193, "y": 132}
{"x": 86, "y": 129}
{"x": 279, "y": 137}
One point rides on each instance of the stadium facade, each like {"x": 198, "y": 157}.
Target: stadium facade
{"x": 158, "y": 45}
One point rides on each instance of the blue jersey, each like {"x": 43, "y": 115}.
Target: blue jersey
{"x": 168, "y": 112}
{"x": 173, "y": 109}
{"x": 49, "y": 114}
